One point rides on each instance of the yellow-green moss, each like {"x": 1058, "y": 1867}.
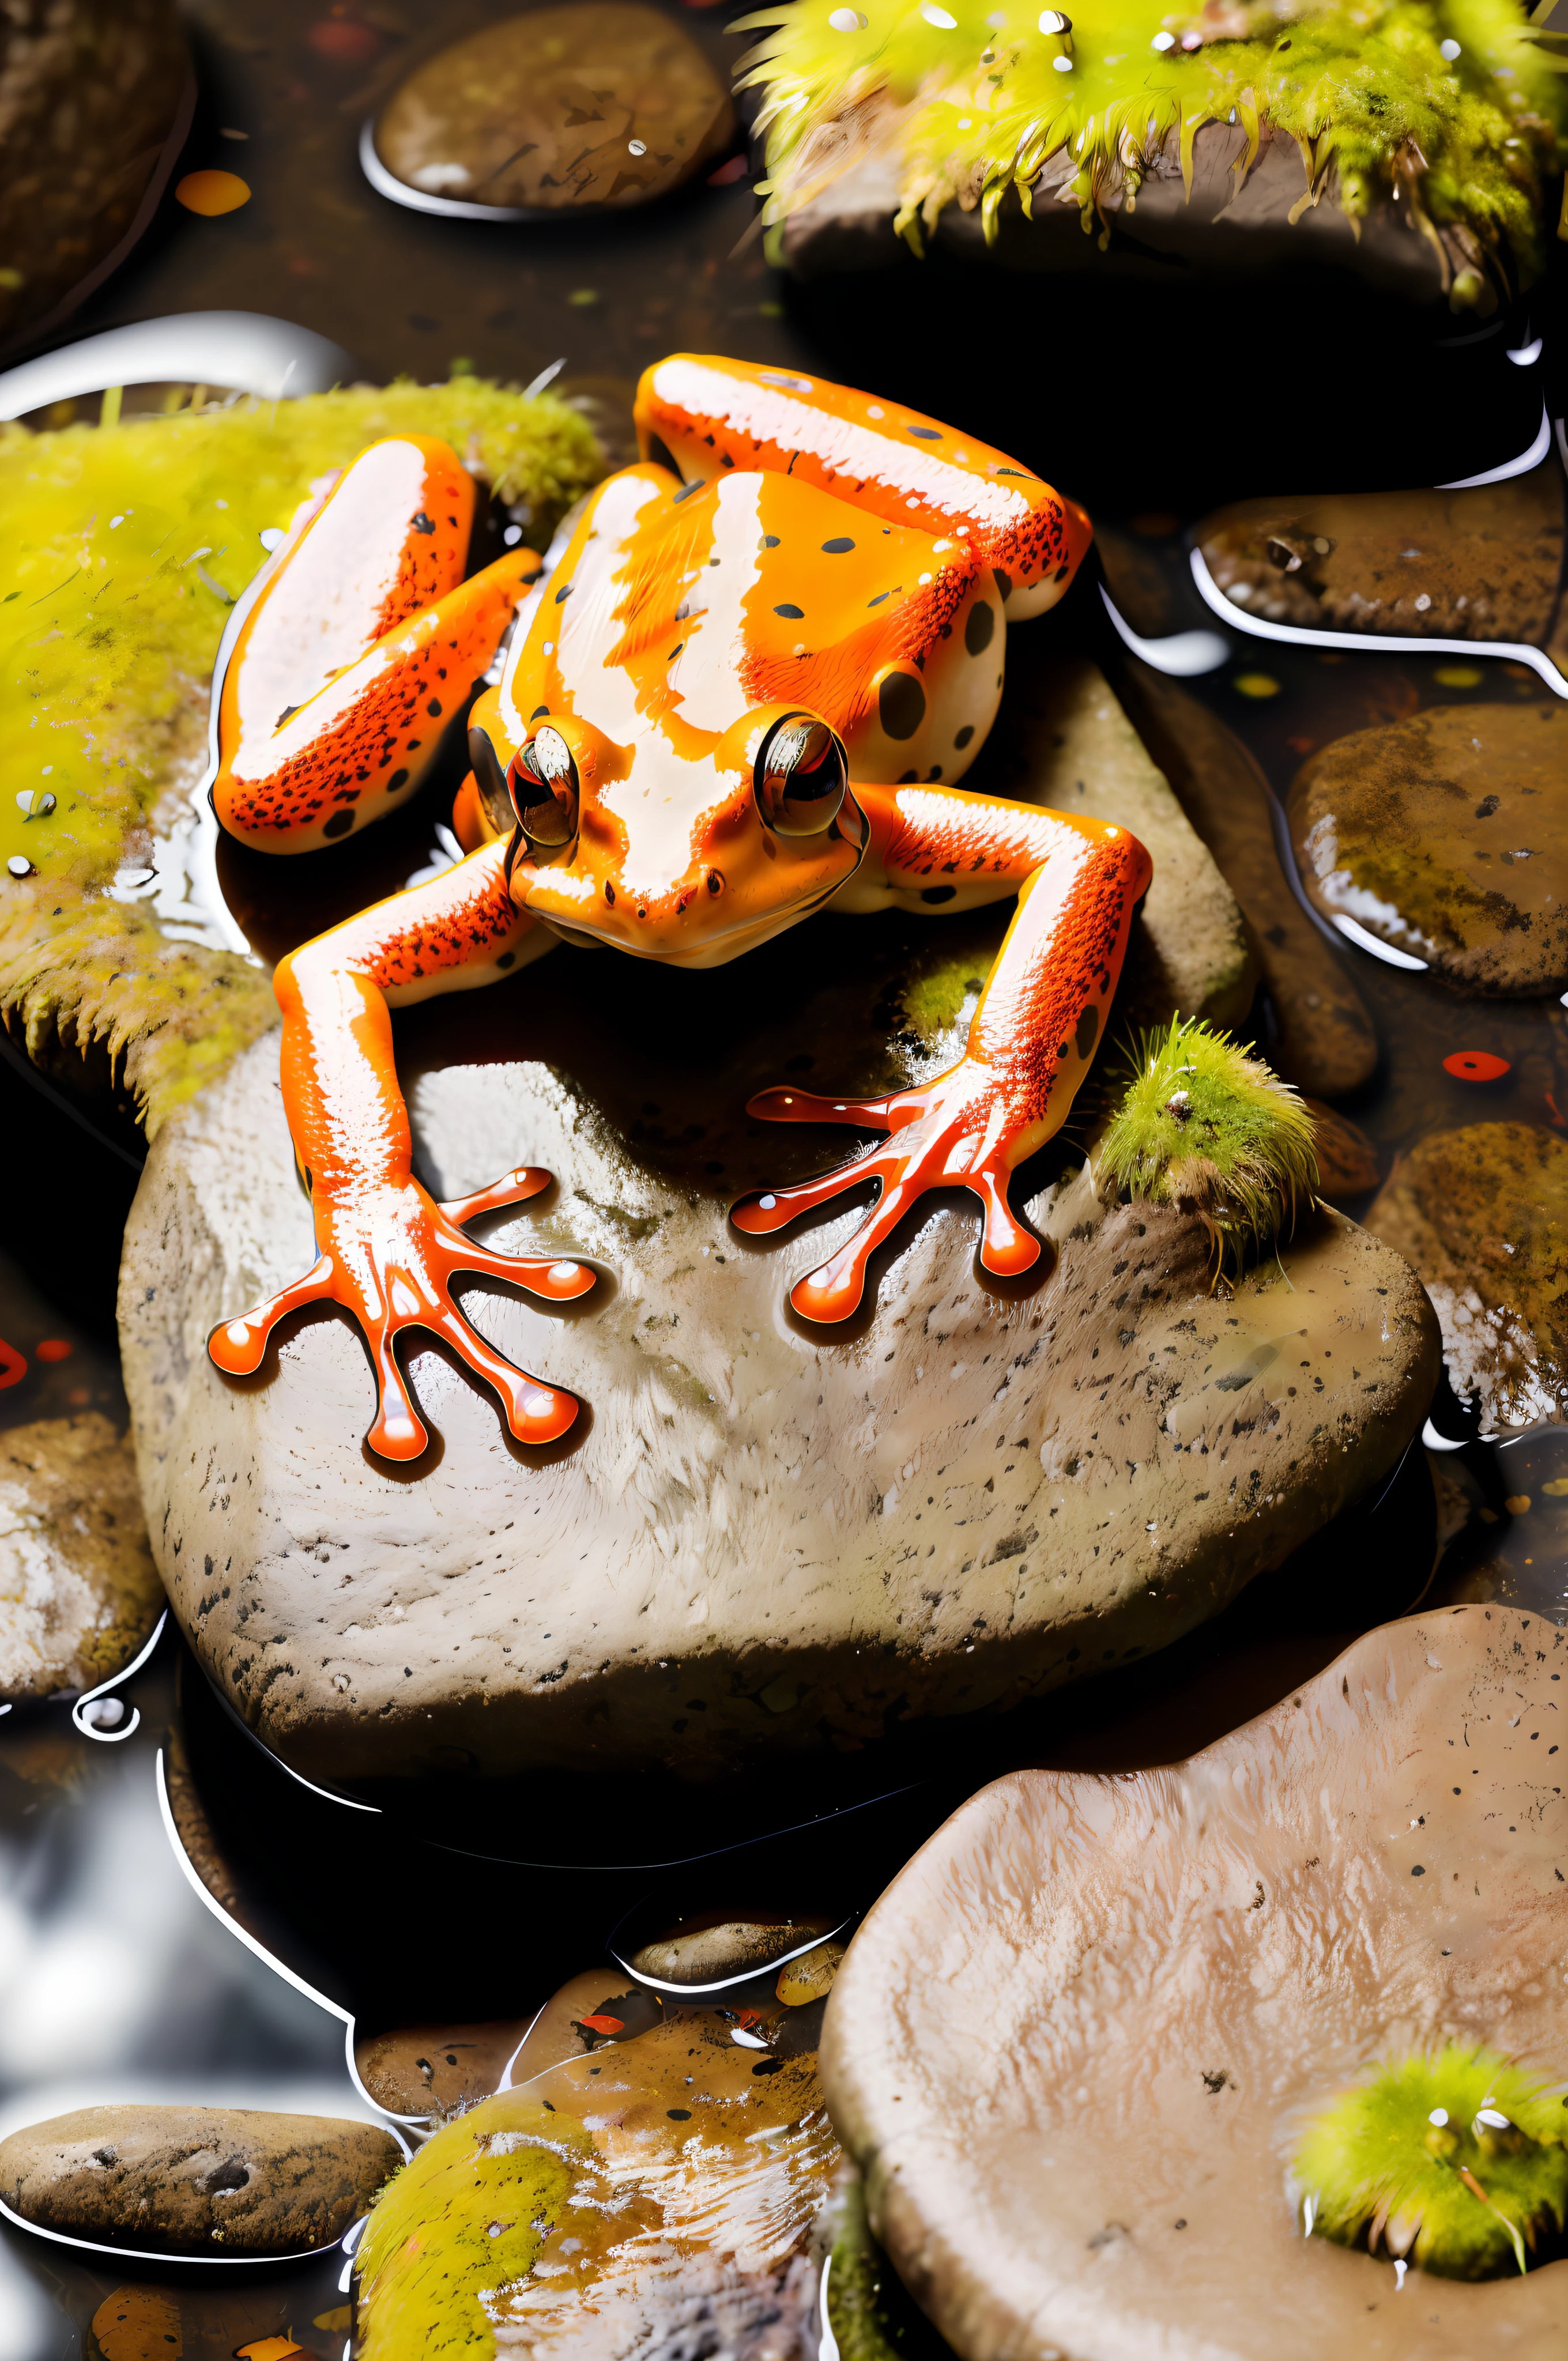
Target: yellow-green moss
{"x": 1203, "y": 1124}
{"x": 464, "y": 2220}
{"x": 1364, "y": 89}
{"x": 126, "y": 545}
{"x": 1456, "y": 2159}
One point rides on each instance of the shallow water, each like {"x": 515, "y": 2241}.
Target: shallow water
{"x": 116, "y": 1980}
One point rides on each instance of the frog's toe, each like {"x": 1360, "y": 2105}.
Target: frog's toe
{"x": 238, "y": 1346}
{"x": 396, "y": 1432}
{"x": 784, "y": 1105}
{"x": 765, "y": 1210}
{"x": 833, "y": 1291}
{"x": 512, "y": 1188}
{"x": 560, "y": 1281}
{"x": 1008, "y": 1249}
{"x": 536, "y": 1412}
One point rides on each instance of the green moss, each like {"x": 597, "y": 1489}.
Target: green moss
{"x": 464, "y": 2220}
{"x": 1204, "y": 1125}
{"x": 873, "y": 2316}
{"x": 126, "y": 546}
{"x": 1362, "y": 89}
{"x": 1457, "y": 2159}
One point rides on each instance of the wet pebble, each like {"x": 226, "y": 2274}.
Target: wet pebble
{"x": 1480, "y": 565}
{"x": 1347, "y": 1162}
{"x": 1444, "y": 836}
{"x": 79, "y": 1592}
{"x": 810, "y": 1977}
{"x": 736, "y": 1947}
{"x": 1481, "y": 1214}
{"x": 601, "y": 104}
{"x": 196, "y": 2180}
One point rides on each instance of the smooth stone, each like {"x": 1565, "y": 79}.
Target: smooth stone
{"x": 1347, "y": 1162}
{"x": 601, "y": 104}
{"x": 1445, "y": 837}
{"x": 91, "y": 89}
{"x": 1063, "y": 741}
{"x": 185, "y": 2181}
{"x": 1318, "y": 1035}
{"x": 1074, "y": 2041}
{"x": 1479, "y": 565}
{"x": 1481, "y": 1214}
{"x": 811, "y": 1977}
{"x": 712, "y": 1952}
{"x": 79, "y": 1591}
{"x": 764, "y": 1539}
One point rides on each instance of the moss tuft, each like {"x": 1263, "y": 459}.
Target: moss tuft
{"x": 126, "y": 548}
{"x": 1456, "y": 2159}
{"x": 977, "y": 108}
{"x": 465, "y": 2220}
{"x": 1203, "y": 1126}
{"x": 871, "y": 2315}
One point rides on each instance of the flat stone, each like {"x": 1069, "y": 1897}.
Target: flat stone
{"x": 604, "y": 103}
{"x": 762, "y": 1538}
{"x": 1317, "y": 1034}
{"x": 1481, "y": 1214}
{"x": 1446, "y": 836}
{"x": 1063, "y": 741}
{"x": 196, "y": 2180}
{"x": 1479, "y": 565}
{"x": 1073, "y": 2044}
{"x": 79, "y": 1591}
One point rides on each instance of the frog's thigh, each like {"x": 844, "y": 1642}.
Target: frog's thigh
{"x": 929, "y": 722}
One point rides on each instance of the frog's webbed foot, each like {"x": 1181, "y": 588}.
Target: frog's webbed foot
{"x": 390, "y": 1258}
{"x": 952, "y": 1132}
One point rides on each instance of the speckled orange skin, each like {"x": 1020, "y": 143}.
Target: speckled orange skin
{"x": 782, "y": 546}
{"x": 364, "y": 642}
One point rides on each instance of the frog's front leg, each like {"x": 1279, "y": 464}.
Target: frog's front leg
{"x": 386, "y": 1251}
{"x": 363, "y": 642}
{"x": 1040, "y": 1020}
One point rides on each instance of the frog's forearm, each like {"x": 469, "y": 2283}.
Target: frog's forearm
{"x": 1042, "y": 1014}
{"x": 340, "y": 1084}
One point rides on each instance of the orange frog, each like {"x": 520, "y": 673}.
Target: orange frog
{"x": 767, "y": 654}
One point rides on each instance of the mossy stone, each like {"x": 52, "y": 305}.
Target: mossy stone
{"x": 1446, "y": 836}
{"x": 1481, "y": 1214}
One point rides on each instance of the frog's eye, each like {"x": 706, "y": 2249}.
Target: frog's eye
{"x": 801, "y": 773}
{"x": 492, "y": 781}
{"x": 545, "y": 790}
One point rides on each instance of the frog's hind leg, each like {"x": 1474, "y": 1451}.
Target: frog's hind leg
{"x": 707, "y": 416}
{"x": 362, "y": 642}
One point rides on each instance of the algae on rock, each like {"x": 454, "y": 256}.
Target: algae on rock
{"x": 1449, "y": 108}
{"x": 126, "y": 546}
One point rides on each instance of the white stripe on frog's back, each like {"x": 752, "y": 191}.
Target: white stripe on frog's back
{"x": 706, "y": 676}
{"x": 574, "y": 619}
{"x": 953, "y": 702}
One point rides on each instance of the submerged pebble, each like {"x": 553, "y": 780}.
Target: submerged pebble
{"x": 1445, "y": 837}
{"x": 1478, "y": 564}
{"x": 605, "y": 103}
{"x": 1481, "y": 1214}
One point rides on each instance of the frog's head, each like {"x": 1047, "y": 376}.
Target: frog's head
{"x": 683, "y": 852}
{"x": 673, "y": 723}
